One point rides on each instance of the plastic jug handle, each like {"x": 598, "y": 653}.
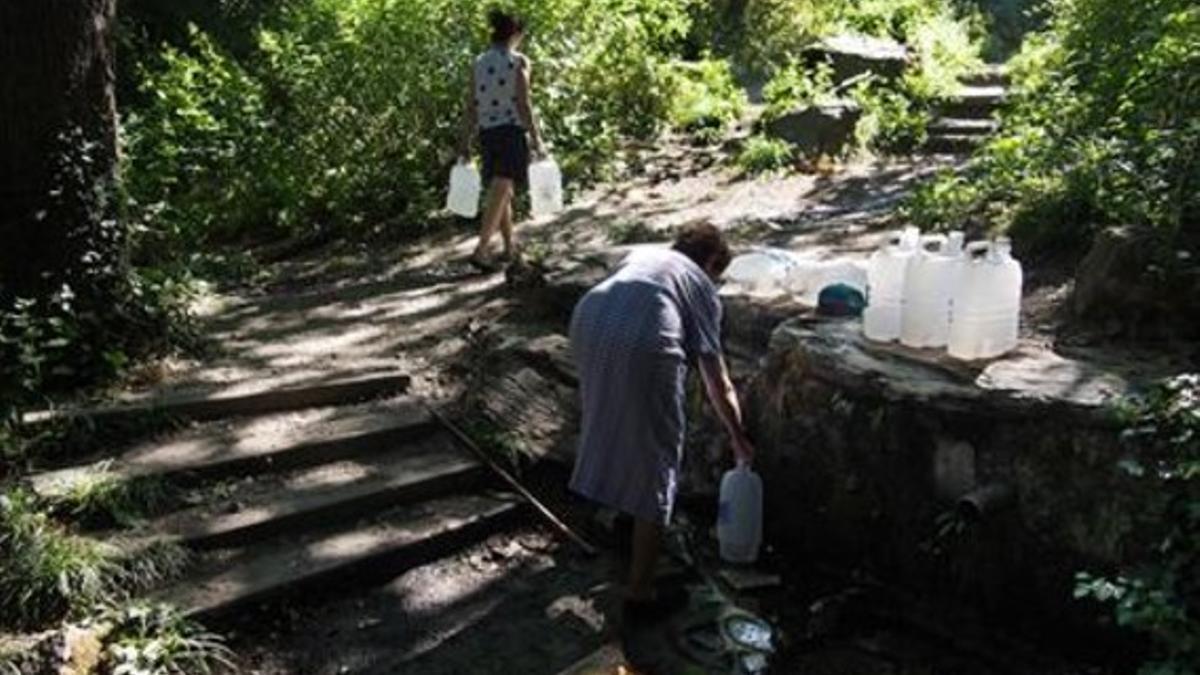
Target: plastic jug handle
{"x": 977, "y": 249}
{"x": 939, "y": 239}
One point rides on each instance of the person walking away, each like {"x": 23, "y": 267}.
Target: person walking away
{"x": 633, "y": 338}
{"x": 499, "y": 110}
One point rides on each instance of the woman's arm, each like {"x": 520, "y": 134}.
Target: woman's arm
{"x": 723, "y": 396}
{"x": 525, "y": 107}
{"x": 470, "y": 115}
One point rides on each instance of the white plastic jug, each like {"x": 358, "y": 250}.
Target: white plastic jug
{"x": 887, "y": 272}
{"x": 929, "y": 291}
{"x": 739, "y": 515}
{"x": 986, "y": 316}
{"x": 761, "y": 272}
{"x": 545, "y": 187}
{"x": 808, "y": 277}
{"x": 465, "y": 186}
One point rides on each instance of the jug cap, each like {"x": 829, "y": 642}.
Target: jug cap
{"x": 954, "y": 243}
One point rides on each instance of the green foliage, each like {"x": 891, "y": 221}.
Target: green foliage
{"x": 1101, "y": 132}
{"x": 892, "y": 121}
{"x": 344, "y": 113}
{"x": 796, "y": 86}
{"x": 197, "y": 161}
{"x": 624, "y": 232}
{"x": 49, "y": 572}
{"x": 158, "y": 640}
{"x": 765, "y": 155}
{"x": 105, "y": 499}
{"x": 705, "y": 96}
{"x": 776, "y": 31}
{"x": 1160, "y": 595}
{"x": 944, "y": 38}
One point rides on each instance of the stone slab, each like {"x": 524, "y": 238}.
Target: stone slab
{"x": 606, "y": 660}
{"x": 270, "y": 442}
{"x": 337, "y": 491}
{"x": 361, "y": 554}
{"x": 974, "y": 102}
{"x": 1029, "y": 380}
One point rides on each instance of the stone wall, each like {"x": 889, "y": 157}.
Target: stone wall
{"x": 867, "y": 452}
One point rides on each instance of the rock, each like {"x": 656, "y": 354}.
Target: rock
{"x": 868, "y": 447}
{"x": 855, "y": 55}
{"x": 1116, "y": 289}
{"x": 826, "y": 129}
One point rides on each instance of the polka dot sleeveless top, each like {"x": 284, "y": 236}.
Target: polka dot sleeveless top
{"x": 496, "y": 87}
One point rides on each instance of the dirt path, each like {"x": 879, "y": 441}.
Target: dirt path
{"x": 409, "y": 308}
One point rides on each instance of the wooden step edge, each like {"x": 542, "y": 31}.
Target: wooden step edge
{"x": 327, "y": 509}
{"x": 382, "y": 562}
{"x": 202, "y": 408}
{"x": 55, "y": 484}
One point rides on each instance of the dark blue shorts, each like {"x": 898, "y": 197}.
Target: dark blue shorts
{"x": 505, "y": 153}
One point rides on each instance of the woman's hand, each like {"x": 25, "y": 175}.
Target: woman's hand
{"x": 743, "y": 449}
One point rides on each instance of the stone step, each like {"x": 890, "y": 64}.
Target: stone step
{"x": 257, "y": 509}
{"x": 240, "y": 400}
{"x": 953, "y": 144}
{"x": 361, "y": 555}
{"x": 973, "y": 102}
{"x": 258, "y": 444}
{"x": 990, "y": 75}
{"x": 963, "y": 127}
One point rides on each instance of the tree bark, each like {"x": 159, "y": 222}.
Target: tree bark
{"x": 58, "y": 144}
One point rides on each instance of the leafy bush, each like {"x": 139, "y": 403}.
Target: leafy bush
{"x": 49, "y": 573}
{"x": 344, "y": 113}
{"x": 892, "y": 121}
{"x": 1102, "y": 132}
{"x": 705, "y": 96}
{"x": 1160, "y": 596}
{"x": 105, "y": 499}
{"x": 796, "y": 86}
{"x": 158, "y": 640}
{"x": 765, "y": 155}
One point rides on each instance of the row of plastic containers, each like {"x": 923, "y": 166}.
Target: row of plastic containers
{"x": 932, "y": 292}
{"x": 924, "y": 291}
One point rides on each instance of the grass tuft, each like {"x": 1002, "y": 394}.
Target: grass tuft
{"x": 765, "y": 155}
{"x": 50, "y": 573}
{"x": 105, "y": 499}
{"x": 157, "y": 639}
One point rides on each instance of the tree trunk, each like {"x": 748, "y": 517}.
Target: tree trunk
{"x": 58, "y": 144}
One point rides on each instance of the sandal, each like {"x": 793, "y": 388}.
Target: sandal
{"x": 482, "y": 264}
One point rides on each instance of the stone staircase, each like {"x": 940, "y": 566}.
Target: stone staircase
{"x": 967, "y": 118}
{"x": 304, "y": 489}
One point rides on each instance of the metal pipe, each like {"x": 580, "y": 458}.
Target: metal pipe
{"x": 986, "y": 501}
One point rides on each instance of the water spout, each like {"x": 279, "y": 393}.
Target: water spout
{"x": 986, "y": 501}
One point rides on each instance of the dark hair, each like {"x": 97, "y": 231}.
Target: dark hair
{"x": 504, "y": 25}
{"x": 703, "y": 242}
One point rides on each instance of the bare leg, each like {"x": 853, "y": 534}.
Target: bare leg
{"x": 506, "y": 231}
{"x": 499, "y": 197}
{"x": 647, "y": 540}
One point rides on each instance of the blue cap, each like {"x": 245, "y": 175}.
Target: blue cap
{"x": 840, "y": 300}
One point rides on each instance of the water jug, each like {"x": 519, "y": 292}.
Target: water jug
{"x": 545, "y": 187}
{"x": 739, "y": 515}
{"x": 887, "y": 271}
{"x": 465, "y": 186}
{"x": 762, "y": 272}
{"x": 986, "y": 315}
{"x": 929, "y": 291}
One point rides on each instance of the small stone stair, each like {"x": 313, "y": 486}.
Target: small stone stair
{"x": 305, "y": 498}
{"x": 968, "y": 117}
